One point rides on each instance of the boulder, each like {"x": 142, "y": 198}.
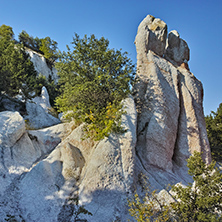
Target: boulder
{"x": 20, "y": 149}
{"x": 43, "y": 100}
{"x": 12, "y": 127}
{"x": 37, "y": 117}
{"x": 177, "y": 49}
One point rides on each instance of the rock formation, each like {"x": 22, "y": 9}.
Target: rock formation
{"x": 38, "y": 112}
{"x": 41, "y": 171}
{"x": 41, "y": 66}
{"x": 169, "y": 101}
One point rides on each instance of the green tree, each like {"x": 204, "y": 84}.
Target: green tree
{"x": 29, "y": 41}
{"x": 16, "y": 69}
{"x": 214, "y": 132}
{"x": 94, "y": 80}
{"x": 149, "y": 208}
{"x": 49, "y": 49}
{"x": 6, "y": 32}
{"x": 202, "y": 200}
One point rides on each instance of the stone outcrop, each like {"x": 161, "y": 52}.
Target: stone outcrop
{"x": 177, "y": 49}
{"x": 38, "y": 112}
{"x": 43, "y": 171}
{"x": 151, "y": 35}
{"x": 169, "y": 103}
{"x": 20, "y": 149}
{"x": 43, "y": 99}
{"x": 100, "y": 173}
{"x": 41, "y": 66}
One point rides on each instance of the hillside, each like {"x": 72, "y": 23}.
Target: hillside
{"x": 42, "y": 171}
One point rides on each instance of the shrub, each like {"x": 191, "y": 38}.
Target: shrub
{"x": 94, "y": 80}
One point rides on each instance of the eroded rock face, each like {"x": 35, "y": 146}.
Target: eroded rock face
{"x": 169, "y": 98}
{"x": 38, "y": 111}
{"x": 100, "y": 173}
{"x": 151, "y": 35}
{"x": 177, "y": 49}
{"x": 43, "y": 99}
{"x": 41, "y": 66}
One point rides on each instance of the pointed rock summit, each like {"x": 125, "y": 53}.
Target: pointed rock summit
{"x": 151, "y": 35}
{"x": 169, "y": 98}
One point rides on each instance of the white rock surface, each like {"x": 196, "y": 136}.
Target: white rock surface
{"x": 103, "y": 171}
{"x": 43, "y": 100}
{"x": 12, "y": 127}
{"x": 177, "y": 49}
{"x": 169, "y": 98}
{"x": 20, "y": 149}
{"x": 38, "y": 117}
{"x": 41, "y": 66}
{"x": 109, "y": 173}
{"x": 151, "y": 35}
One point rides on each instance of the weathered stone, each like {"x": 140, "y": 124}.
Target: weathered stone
{"x": 19, "y": 149}
{"x": 41, "y": 66}
{"x": 43, "y": 100}
{"x": 41, "y": 171}
{"x": 109, "y": 173}
{"x": 39, "y": 118}
{"x": 177, "y": 49}
{"x": 151, "y": 35}
{"x": 12, "y": 127}
{"x": 171, "y": 123}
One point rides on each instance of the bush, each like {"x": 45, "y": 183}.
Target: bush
{"x": 200, "y": 201}
{"x": 94, "y": 80}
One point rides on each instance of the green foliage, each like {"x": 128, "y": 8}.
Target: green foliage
{"x": 78, "y": 210}
{"x": 150, "y": 207}
{"x": 214, "y": 132}
{"x": 45, "y": 46}
{"x": 16, "y": 69}
{"x": 49, "y": 49}
{"x": 202, "y": 200}
{"x": 6, "y": 32}
{"x": 30, "y": 41}
{"x": 94, "y": 80}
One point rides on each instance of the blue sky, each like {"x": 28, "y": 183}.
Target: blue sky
{"x": 199, "y": 23}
